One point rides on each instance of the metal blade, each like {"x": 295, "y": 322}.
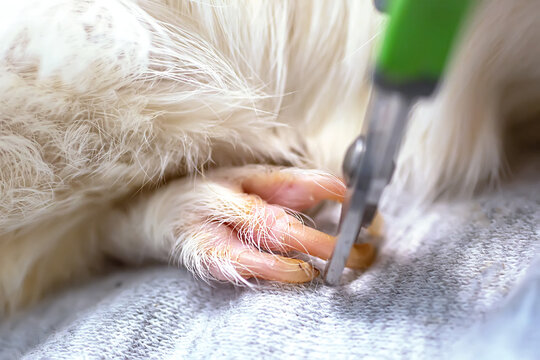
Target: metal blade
{"x": 387, "y": 118}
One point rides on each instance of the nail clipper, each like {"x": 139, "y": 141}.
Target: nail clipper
{"x": 412, "y": 57}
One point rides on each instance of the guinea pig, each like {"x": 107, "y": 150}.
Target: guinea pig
{"x": 196, "y": 132}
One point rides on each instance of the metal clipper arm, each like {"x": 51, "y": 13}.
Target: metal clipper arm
{"x": 368, "y": 169}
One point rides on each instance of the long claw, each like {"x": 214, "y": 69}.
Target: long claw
{"x": 313, "y": 242}
{"x": 298, "y": 191}
{"x": 249, "y": 262}
{"x": 280, "y": 230}
{"x": 278, "y": 268}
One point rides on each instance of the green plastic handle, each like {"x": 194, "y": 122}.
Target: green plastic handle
{"x": 417, "y": 43}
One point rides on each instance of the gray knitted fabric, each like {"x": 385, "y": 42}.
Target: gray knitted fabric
{"x": 436, "y": 287}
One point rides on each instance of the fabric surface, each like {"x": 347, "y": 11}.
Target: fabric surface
{"x": 438, "y": 277}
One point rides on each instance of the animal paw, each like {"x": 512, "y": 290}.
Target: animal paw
{"x": 244, "y": 222}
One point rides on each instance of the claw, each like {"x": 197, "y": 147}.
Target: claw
{"x": 278, "y": 268}
{"x": 316, "y": 243}
{"x": 298, "y": 191}
{"x": 278, "y": 230}
{"x": 249, "y": 262}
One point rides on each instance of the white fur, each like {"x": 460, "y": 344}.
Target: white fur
{"x": 103, "y": 101}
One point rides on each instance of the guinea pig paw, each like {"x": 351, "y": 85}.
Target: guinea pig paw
{"x": 258, "y": 229}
